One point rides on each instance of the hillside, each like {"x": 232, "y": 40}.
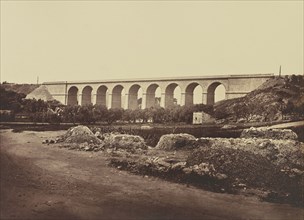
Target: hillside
{"x": 278, "y": 98}
{"x": 19, "y": 88}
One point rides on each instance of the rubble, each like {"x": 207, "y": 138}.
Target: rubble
{"x": 82, "y": 147}
{"x": 236, "y": 165}
{"x": 203, "y": 169}
{"x": 268, "y": 133}
{"x": 178, "y": 166}
{"x": 98, "y": 135}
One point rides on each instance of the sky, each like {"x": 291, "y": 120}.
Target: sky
{"x": 96, "y": 40}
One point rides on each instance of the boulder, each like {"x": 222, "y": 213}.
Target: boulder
{"x": 125, "y": 141}
{"x": 178, "y": 166}
{"x": 176, "y": 142}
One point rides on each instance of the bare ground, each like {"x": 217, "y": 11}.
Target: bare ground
{"x": 45, "y": 182}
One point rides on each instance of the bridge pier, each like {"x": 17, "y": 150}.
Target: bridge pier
{"x": 144, "y": 101}
{"x": 94, "y": 99}
{"x": 204, "y": 98}
{"x": 79, "y": 99}
{"x": 127, "y": 104}
{"x": 162, "y": 100}
{"x": 183, "y": 99}
{"x": 109, "y": 104}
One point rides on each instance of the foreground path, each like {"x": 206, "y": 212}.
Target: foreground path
{"x": 45, "y": 182}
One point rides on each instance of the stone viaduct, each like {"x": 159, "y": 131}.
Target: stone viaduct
{"x": 124, "y": 93}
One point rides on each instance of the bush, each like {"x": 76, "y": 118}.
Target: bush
{"x": 5, "y": 116}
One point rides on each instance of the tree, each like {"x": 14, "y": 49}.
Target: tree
{"x": 69, "y": 114}
{"x": 86, "y": 114}
{"x": 115, "y": 114}
{"x": 158, "y": 114}
{"x": 221, "y": 113}
{"x": 100, "y": 113}
{"x": 10, "y": 100}
{"x": 146, "y": 114}
{"x": 127, "y": 115}
{"x": 186, "y": 114}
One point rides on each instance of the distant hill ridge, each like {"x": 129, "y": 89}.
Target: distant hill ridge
{"x": 20, "y": 88}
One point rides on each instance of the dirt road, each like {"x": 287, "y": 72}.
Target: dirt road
{"x": 45, "y": 182}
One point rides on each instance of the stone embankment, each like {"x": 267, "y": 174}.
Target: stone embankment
{"x": 268, "y": 133}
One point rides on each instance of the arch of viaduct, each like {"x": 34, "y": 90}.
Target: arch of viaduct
{"x": 124, "y": 93}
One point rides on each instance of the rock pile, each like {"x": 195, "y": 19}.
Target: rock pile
{"x": 80, "y": 134}
{"x": 82, "y": 138}
{"x": 268, "y": 133}
{"x": 124, "y": 141}
{"x": 78, "y": 138}
{"x": 176, "y": 142}
{"x": 164, "y": 166}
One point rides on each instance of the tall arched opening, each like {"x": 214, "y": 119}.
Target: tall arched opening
{"x": 101, "y": 96}
{"x": 153, "y": 96}
{"x": 73, "y": 96}
{"x": 215, "y": 92}
{"x": 86, "y": 96}
{"x": 172, "y": 95}
{"x": 220, "y": 93}
{"x": 194, "y": 94}
{"x": 117, "y": 101}
{"x": 133, "y": 99}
